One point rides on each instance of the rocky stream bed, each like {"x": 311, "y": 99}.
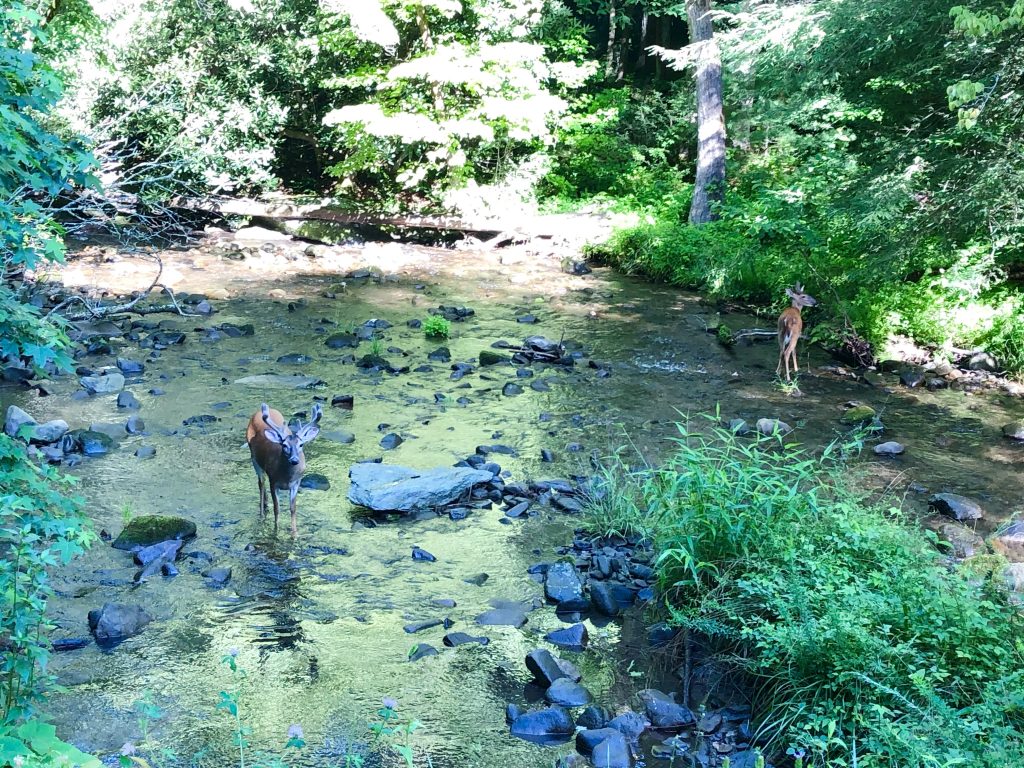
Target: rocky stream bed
{"x": 439, "y": 559}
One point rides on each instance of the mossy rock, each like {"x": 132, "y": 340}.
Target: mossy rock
{"x": 147, "y": 530}
{"x": 1014, "y": 430}
{"x": 92, "y": 443}
{"x": 859, "y": 414}
{"x": 487, "y": 357}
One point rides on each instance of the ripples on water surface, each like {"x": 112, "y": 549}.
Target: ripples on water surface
{"x": 318, "y": 622}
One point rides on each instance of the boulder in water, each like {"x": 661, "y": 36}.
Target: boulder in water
{"x": 391, "y": 488}
{"x": 115, "y": 621}
{"x": 958, "y": 507}
{"x": 146, "y": 530}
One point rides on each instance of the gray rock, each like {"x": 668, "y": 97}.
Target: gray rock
{"x": 126, "y": 399}
{"x": 391, "y": 441}
{"x": 594, "y": 717}
{"x": 421, "y": 651}
{"x": 130, "y": 367}
{"x": 770, "y": 427}
{"x": 912, "y": 377}
{"x": 16, "y": 418}
{"x": 546, "y": 726}
{"x": 663, "y": 712}
{"x": 544, "y": 667}
{"x": 589, "y": 738}
{"x": 297, "y": 381}
{"x": 115, "y": 621}
{"x": 958, "y": 507}
{"x": 390, "y": 488}
{"x": 562, "y": 585}
{"x": 1009, "y": 542}
{"x": 505, "y": 613}
{"x": 166, "y": 550}
{"x": 145, "y": 452}
{"x": 99, "y": 385}
{"x": 455, "y": 639}
{"x": 50, "y": 432}
{"x": 613, "y": 752}
{"x": 611, "y": 599}
{"x": 1014, "y": 430}
{"x": 630, "y": 724}
{"x": 218, "y": 575}
{"x": 135, "y": 425}
{"x": 983, "y": 361}
{"x": 572, "y": 638}
{"x": 963, "y": 542}
{"x": 566, "y": 693}
{"x": 891, "y": 448}
{"x": 338, "y": 436}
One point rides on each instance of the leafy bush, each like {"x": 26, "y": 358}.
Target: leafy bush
{"x": 41, "y": 525}
{"x": 37, "y": 166}
{"x": 437, "y": 327}
{"x": 866, "y": 647}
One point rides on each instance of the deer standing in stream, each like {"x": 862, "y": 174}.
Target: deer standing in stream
{"x": 791, "y": 324}
{"x": 277, "y": 456}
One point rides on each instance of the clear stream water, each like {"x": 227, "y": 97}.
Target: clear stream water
{"x": 318, "y": 621}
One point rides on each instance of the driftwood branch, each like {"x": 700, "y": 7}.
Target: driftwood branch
{"x": 94, "y": 311}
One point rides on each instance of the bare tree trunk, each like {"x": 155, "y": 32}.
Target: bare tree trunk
{"x": 610, "y": 65}
{"x": 709, "y": 186}
{"x": 641, "y": 59}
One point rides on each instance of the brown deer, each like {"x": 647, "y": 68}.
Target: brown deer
{"x": 277, "y": 455}
{"x": 791, "y": 324}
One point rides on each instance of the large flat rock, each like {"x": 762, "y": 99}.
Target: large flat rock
{"x": 391, "y": 488}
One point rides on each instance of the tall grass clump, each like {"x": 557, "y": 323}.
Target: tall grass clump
{"x": 865, "y": 646}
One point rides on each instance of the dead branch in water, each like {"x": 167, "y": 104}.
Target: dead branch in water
{"x": 96, "y": 312}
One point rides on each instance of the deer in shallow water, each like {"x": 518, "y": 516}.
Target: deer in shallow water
{"x": 791, "y": 324}
{"x": 277, "y": 456}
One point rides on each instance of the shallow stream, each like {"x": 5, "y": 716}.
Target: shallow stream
{"x": 318, "y": 621}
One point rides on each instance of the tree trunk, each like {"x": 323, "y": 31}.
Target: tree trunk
{"x": 610, "y": 66}
{"x": 641, "y": 59}
{"x": 709, "y": 186}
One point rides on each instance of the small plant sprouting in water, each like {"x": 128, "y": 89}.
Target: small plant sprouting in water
{"x": 147, "y": 752}
{"x": 376, "y": 348}
{"x": 390, "y": 729}
{"x": 229, "y": 702}
{"x": 437, "y": 327}
{"x": 127, "y": 512}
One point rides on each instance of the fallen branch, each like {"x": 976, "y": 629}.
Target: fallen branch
{"x": 96, "y": 312}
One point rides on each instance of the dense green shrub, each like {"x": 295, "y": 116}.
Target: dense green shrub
{"x": 40, "y": 524}
{"x": 867, "y": 648}
{"x": 36, "y": 167}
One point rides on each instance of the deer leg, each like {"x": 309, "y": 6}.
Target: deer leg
{"x": 796, "y": 368}
{"x": 263, "y": 488}
{"x": 293, "y": 493}
{"x": 273, "y": 495}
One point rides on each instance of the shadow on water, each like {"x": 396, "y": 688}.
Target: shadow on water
{"x": 318, "y": 622}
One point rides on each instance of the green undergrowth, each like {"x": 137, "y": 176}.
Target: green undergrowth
{"x": 867, "y": 649}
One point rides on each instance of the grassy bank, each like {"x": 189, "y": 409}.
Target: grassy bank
{"x": 867, "y": 648}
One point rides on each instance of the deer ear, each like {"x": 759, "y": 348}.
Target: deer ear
{"x": 789, "y": 292}
{"x": 272, "y": 435}
{"x": 308, "y": 433}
